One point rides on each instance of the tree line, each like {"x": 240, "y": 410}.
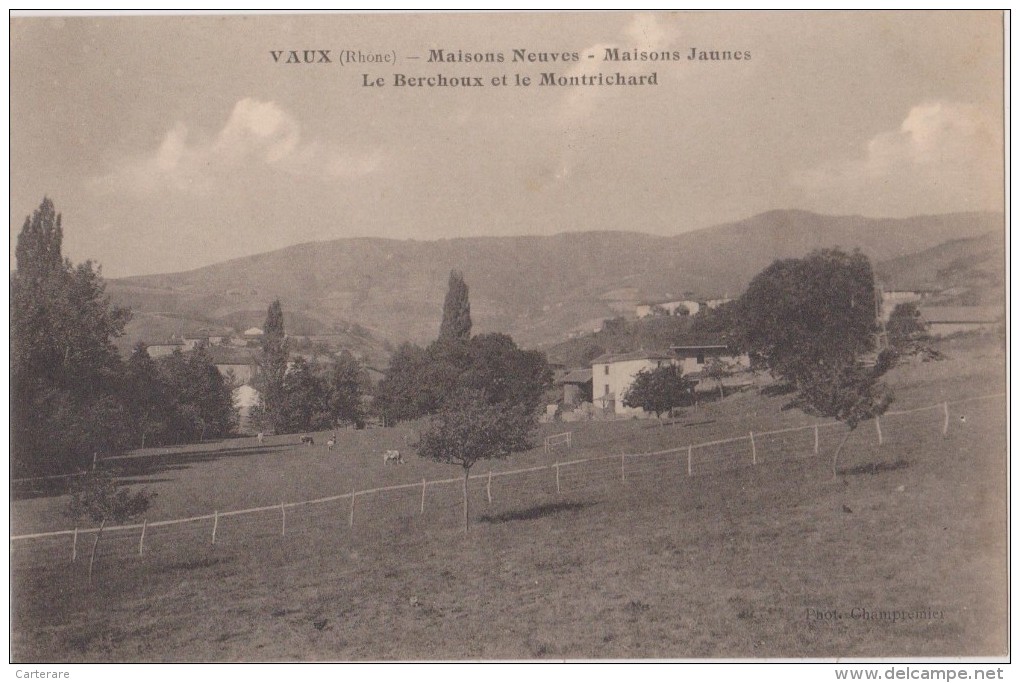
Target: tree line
{"x": 299, "y": 395}
{"x": 72, "y": 396}
{"x": 810, "y": 322}
{"x": 477, "y": 397}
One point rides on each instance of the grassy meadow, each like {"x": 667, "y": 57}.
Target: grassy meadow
{"x": 743, "y": 562}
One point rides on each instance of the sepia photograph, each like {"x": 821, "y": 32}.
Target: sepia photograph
{"x": 509, "y": 337}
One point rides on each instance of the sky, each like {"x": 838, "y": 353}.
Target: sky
{"x": 173, "y": 142}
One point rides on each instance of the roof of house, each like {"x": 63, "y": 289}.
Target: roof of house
{"x": 165, "y": 343}
{"x": 663, "y": 302}
{"x": 704, "y": 340}
{"x": 632, "y": 355}
{"x": 581, "y": 376}
{"x": 961, "y": 314}
{"x": 230, "y": 355}
{"x": 206, "y": 332}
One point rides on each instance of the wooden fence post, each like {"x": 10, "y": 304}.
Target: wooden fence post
{"x": 816, "y": 439}
{"x": 878, "y": 428}
{"x": 141, "y": 541}
{"x": 690, "y": 448}
{"x": 945, "y": 424}
{"x": 283, "y": 520}
{"x": 215, "y": 523}
{"x": 354, "y": 497}
{"x": 74, "y": 546}
{"x": 488, "y": 487}
{"x": 623, "y": 468}
{"x": 557, "y": 479}
{"x": 422, "y": 497}
{"x": 754, "y": 451}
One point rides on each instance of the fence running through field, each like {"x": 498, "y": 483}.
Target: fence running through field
{"x": 539, "y": 482}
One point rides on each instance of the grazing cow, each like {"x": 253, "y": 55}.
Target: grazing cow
{"x": 392, "y": 456}
{"x": 331, "y": 443}
{"x": 308, "y": 440}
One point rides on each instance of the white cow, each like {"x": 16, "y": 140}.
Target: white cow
{"x": 331, "y": 443}
{"x": 392, "y": 456}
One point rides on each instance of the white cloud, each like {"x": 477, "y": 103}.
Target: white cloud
{"x": 262, "y": 128}
{"x": 945, "y": 156}
{"x": 258, "y": 138}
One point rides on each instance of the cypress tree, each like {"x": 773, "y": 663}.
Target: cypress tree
{"x": 272, "y": 365}
{"x": 456, "y": 311}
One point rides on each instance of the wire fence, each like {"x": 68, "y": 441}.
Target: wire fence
{"x": 438, "y": 502}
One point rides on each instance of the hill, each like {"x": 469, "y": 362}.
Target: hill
{"x": 539, "y": 289}
{"x": 974, "y": 265}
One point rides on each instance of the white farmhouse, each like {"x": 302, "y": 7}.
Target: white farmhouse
{"x": 613, "y": 374}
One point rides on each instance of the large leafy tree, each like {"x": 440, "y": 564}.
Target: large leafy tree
{"x": 403, "y": 394}
{"x": 420, "y": 381}
{"x": 506, "y": 373}
{"x": 470, "y": 428}
{"x": 64, "y": 367}
{"x": 798, "y": 315}
{"x": 304, "y": 404}
{"x": 345, "y": 381}
{"x": 147, "y": 396}
{"x": 812, "y": 322}
{"x": 200, "y": 401}
{"x": 322, "y": 395}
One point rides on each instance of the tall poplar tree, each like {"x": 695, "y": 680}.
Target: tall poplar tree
{"x": 456, "y": 324}
{"x": 272, "y": 366}
{"x": 64, "y": 366}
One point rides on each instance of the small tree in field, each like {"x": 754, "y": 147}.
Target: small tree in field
{"x": 659, "y": 390}
{"x": 718, "y": 370}
{"x": 97, "y": 497}
{"x": 468, "y": 428}
{"x": 849, "y": 392}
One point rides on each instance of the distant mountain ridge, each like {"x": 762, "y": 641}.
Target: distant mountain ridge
{"x": 968, "y": 262}
{"x": 536, "y": 288}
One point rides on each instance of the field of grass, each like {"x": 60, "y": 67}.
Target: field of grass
{"x": 733, "y": 563}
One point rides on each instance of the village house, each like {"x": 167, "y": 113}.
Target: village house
{"x": 162, "y": 349}
{"x": 693, "y": 356}
{"x": 577, "y": 387}
{"x": 232, "y": 361}
{"x": 614, "y": 373}
{"x": 245, "y": 399}
{"x": 716, "y": 303}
